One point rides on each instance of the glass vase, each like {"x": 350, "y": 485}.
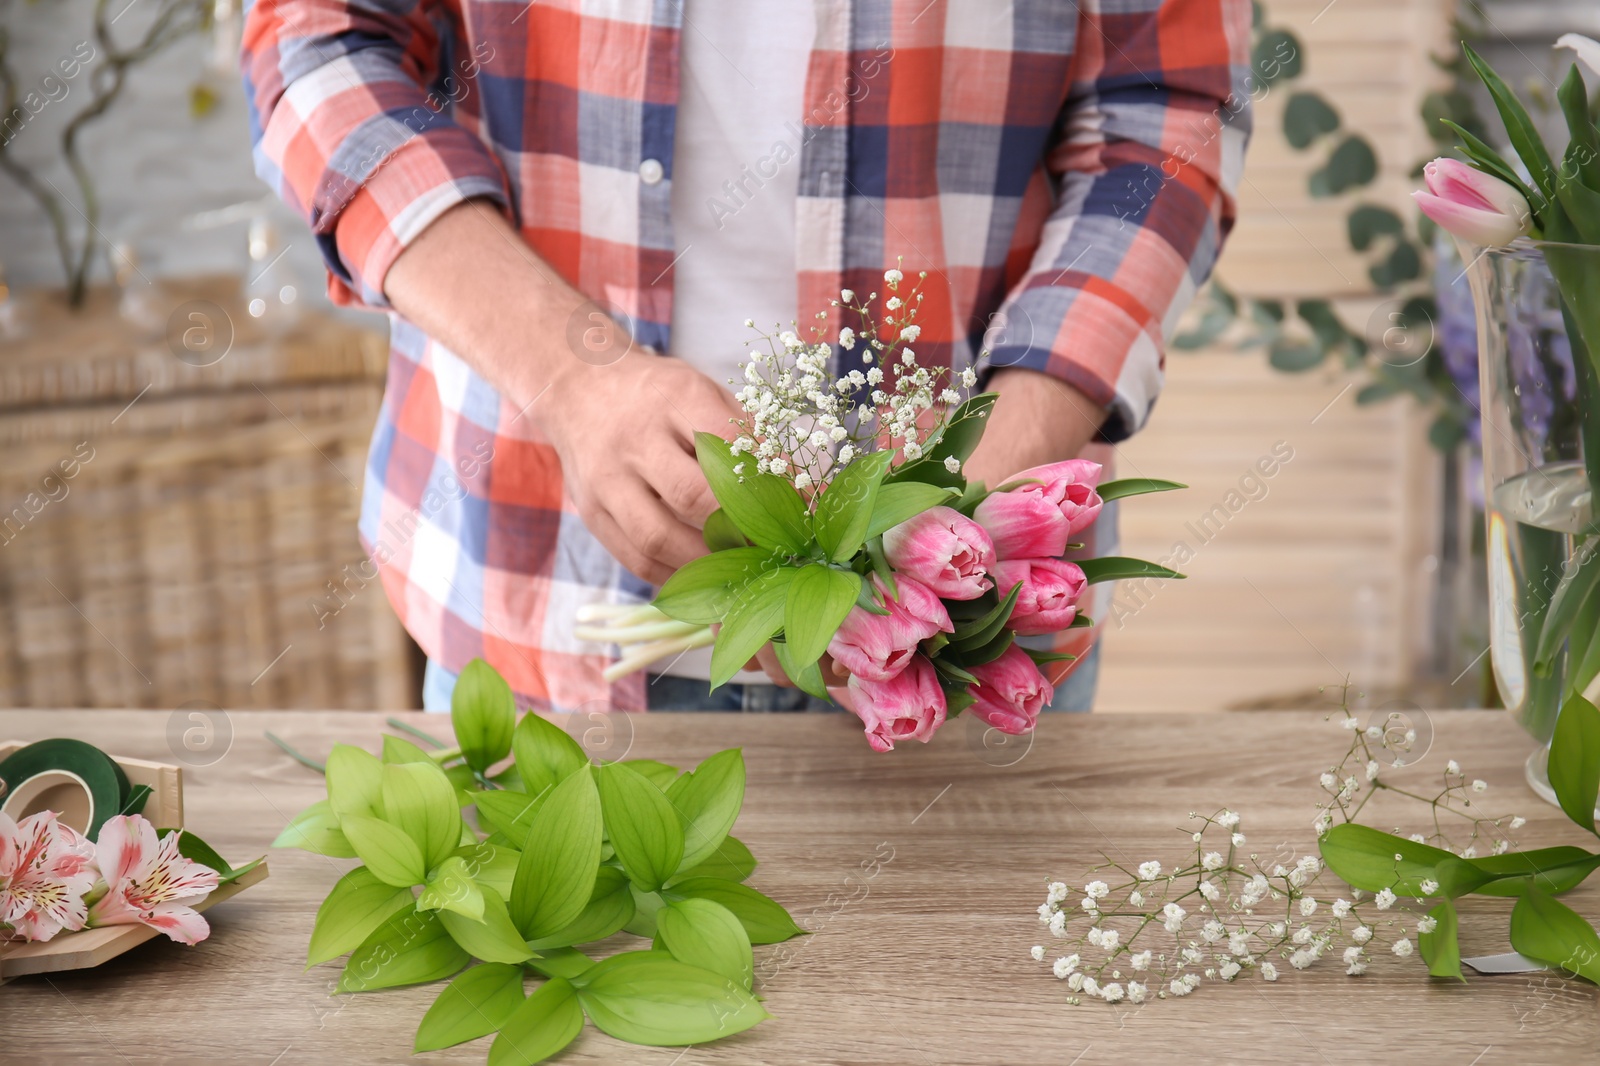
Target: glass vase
{"x": 1540, "y": 460}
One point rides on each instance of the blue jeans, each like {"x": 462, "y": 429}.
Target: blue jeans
{"x": 668, "y": 693}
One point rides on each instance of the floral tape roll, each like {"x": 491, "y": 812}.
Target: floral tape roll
{"x": 80, "y": 782}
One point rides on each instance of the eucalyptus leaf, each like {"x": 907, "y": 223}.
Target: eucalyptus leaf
{"x": 408, "y": 949}
{"x": 358, "y": 904}
{"x": 475, "y": 1004}
{"x": 541, "y": 1026}
{"x": 483, "y": 713}
{"x": 705, "y": 934}
{"x": 708, "y": 800}
{"x": 648, "y": 997}
{"x": 556, "y": 873}
{"x": 642, "y": 825}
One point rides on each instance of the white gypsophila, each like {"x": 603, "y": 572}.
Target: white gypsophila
{"x": 1209, "y": 890}
{"x": 1212, "y": 860}
{"x": 1058, "y": 924}
{"x": 1096, "y": 889}
{"x": 1140, "y": 960}
{"x": 1062, "y": 968}
{"x": 1136, "y": 898}
{"x": 1111, "y": 993}
{"x": 1037, "y": 951}
{"x": 1427, "y": 924}
{"x": 1238, "y": 840}
{"x": 1136, "y": 992}
{"x": 1056, "y": 891}
{"x": 1480, "y": 786}
{"x": 1149, "y": 871}
{"x": 1452, "y": 768}
{"x": 1384, "y": 899}
{"x": 1229, "y": 970}
{"x": 1361, "y": 934}
{"x": 952, "y": 464}
{"x": 1429, "y": 886}
{"x": 1340, "y": 908}
{"x": 1402, "y": 947}
{"x": 1308, "y": 906}
{"x": 1269, "y": 972}
{"x": 1075, "y": 982}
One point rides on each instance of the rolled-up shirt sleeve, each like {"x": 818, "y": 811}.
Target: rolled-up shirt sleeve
{"x": 346, "y": 131}
{"x": 1145, "y": 166}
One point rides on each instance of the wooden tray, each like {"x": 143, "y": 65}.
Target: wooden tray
{"x": 91, "y": 947}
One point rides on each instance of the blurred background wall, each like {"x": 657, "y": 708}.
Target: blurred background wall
{"x": 213, "y": 410}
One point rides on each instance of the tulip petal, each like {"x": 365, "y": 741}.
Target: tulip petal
{"x": 1586, "y": 48}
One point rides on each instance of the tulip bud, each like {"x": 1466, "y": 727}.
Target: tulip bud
{"x": 943, "y": 549}
{"x": 1472, "y": 205}
{"x": 910, "y": 706}
{"x": 1035, "y": 520}
{"x": 1050, "y": 592}
{"x": 1011, "y": 691}
{"x": 877, "y": 647}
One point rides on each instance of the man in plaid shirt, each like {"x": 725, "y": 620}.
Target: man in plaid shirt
{"x": 564, "y": 204}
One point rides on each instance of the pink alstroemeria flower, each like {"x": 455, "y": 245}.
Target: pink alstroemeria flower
{"x": 146, "y": 879}
{"x": 878, "y": 646}
{"x": 1011, "y": 691}
{"x": 1050, "y": 592}
{"x": 943, "y": 549}
{"x": 46, "y": 868}
{"x": 909, "y": 707}
{"x": 1472, "y": 205}
{"x": 1035, "y": 520}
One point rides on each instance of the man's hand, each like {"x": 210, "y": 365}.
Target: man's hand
{"x": 624, "y": 429}
{"x": 1037, "y": 419}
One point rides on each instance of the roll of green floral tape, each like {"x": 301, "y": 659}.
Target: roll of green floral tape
{"x": 77, "y": 780}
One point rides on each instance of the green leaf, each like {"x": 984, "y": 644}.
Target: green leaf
{"x": 1441, "y": 949}
{"x": 1575, "y": 760}
{"x": 1582, "y": 162}
{"x": 545, "y": 754}
{"x": 399, "y": 750}
{"x": 1403, "y": 263}
{"x": 1490, "y": 162}
{"x": 732, "y": 861}
{"x": 610, "y": 908}
{"x": 483, "y": 713}
{"x": 645, "y": 907}
{"x": 658, "y": 774}
{"x": 194, "y": 849}
{"x": 1324, "y": 322}
{"x": 705, "y": 934}
{"x": 642, "y": 825}
{"x": 844, "y": 510}
{"x": 708, "y": 801}
{"x": 475, "y": 1004}
{"x": 903, "y": 500}
{"x": 1135, "y": 486}
{"x": 720, "y": 533}
{"x": 391, "y": 855}
{"x": 561, "y": 962}
{"x": 1524, "y": 135}
{"x": 493, "y": 938}
{"x": 1577, "y": 585}
{"x": 756, "y": 618}
{"x": 763, "y": 918}
{"x": 493, "y": 867}
{"x": 316, "y": 829}
{"x": 963, "y": 431}
{"x": 355, "y": 781}
{"x": 1306, "y": 117}
{"x": 703, "y": 589}
{"x": 1295, "y": 356}
{"x": 807, "y": 677}
{"x": 1364, "y": 858}
{"x": 766, "y": 508}
{"x": 410, "y": 948}
{"x": 451, "y": 888}
{"x": 1275, "y": 56}
{"x": 420, "y": 799}
{"x": 648, "y": 997}
{"x": 1369, "y": 222}
{"x": 818, "y": 600}
{"x": 1545, "y": 929}
{"x": 972, "y": 635}
{"x": 358, "y": 904}
{"x": 1117, "y": 568}
{"x": 542, "y": 1026}
{"x": 1550, "y": 870}
{"x": 509, "y": 812}
{"x": 556, "y": 873}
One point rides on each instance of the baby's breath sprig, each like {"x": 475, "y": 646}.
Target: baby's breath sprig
{"x": 804, "y": 423}
{"x": 1222, "y": 914}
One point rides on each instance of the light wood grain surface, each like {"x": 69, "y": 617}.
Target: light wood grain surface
{"x": 925, "y": 962}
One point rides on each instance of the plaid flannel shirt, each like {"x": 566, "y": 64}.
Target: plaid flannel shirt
{"x": 1064, "y": 172}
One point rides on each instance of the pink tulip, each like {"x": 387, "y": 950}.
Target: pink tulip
{"x": 146, "y": 879}
{"x": 876, "y": 646}
{"x": 1010, "y": 692}
{"x": 908, "y": 707}
{"x": 943, "y": 549}
{"x": 1472, "y": 205}
{"x": 1050, "y": 592}
{"x": 1035, "y": 520}
{"x": 46, "y": 868}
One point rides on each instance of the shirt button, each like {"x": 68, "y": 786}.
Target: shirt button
{"x": 651, "y": 171}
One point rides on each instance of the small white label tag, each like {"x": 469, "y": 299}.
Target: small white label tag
{"x": 1510, "y": 962}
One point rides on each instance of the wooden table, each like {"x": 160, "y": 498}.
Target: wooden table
{"x": 926, "y": 962}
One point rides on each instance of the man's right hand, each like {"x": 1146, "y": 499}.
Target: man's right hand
{"x": 624, "y": 429}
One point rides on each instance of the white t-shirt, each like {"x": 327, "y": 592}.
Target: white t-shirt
{"x": 735, "y": 185}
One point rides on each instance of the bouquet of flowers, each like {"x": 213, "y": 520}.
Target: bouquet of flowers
{"x": 847, "y": 528}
